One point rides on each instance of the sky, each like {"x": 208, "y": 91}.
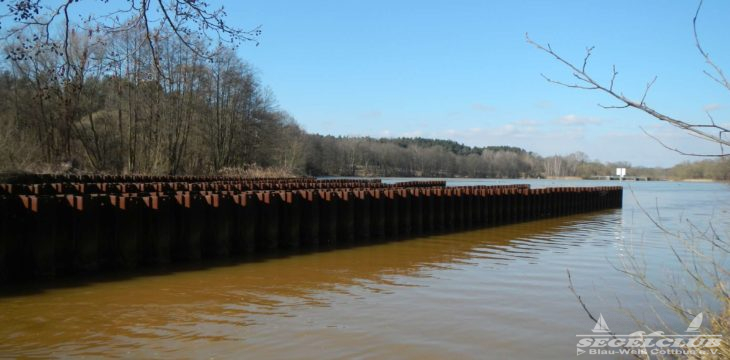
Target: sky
{"x": 462, "y": 70}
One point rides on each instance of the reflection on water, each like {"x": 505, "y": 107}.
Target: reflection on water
{"x": 493, "y": 293}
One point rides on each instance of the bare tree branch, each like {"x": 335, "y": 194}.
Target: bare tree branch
{"x": 568, "y": 85}
{"x": 613, "y": 77}
{"x": 648, "y": 87}
{"x": 585, "y": 307}
{"x": 680, "y": 151}
{"x": 586, "y": 82}
{"x": 614, "y": 106}
{"x": 198, "y": 26}
{"x": 148, "y": 36}
{"x": 720, "y": 75}
{"x": 585, "y": 60}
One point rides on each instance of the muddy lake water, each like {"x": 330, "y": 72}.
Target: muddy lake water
{"x": 492, "y": 293}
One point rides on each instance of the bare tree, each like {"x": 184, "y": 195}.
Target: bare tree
{"x": 710, "y": 131}
{"x": 193, "y": 22}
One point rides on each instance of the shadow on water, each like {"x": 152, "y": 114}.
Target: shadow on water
{"x": 411, "y": 254}
{"x": 215, "y": 303}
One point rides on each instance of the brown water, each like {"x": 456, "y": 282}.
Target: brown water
{"x": 492, "y": 293}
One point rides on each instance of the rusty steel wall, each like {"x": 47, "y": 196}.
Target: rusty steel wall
{"x": 79, "y": 225}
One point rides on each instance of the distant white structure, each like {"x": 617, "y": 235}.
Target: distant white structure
{"x": 621, "y": 172}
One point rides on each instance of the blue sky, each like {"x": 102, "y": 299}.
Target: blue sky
{"x": 462, "y": 70}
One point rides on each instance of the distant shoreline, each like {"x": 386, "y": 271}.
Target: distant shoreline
{"x": 10, "y": 177}
{"x": 699, "y": 180}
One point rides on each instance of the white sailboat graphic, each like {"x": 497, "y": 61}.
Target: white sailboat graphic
{"x": 601, "y": 326}
{"x": 696, "y": 323}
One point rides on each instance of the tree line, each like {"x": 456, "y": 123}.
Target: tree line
{"x": 365, "y": 156}
{"x": 108, "y": 104}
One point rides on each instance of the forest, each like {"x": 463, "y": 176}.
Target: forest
{"x": 357, "y": 156}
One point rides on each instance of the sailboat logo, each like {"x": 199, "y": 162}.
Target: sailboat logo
{"x": 639, "y": 343}
{"x": 696, "y": 323}
{"x": 601, "y": 326}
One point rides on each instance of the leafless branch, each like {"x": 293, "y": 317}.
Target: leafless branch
{"x": 613, "y": 77}
{"x": 66, "y": 28}
{"x": 150, "y": 42}
{"x": 197, "y": 25}
{"x": 648, "y": 87}
{"x": 568, "y": 85}
{"x": 614, "y": 106}
{"x": 720, "y": 75}
{"x": 586, "y": 82}
{"x": 585, "y": 307}
{"x": 585, "y": 59}
{"x": 678, "y": 150}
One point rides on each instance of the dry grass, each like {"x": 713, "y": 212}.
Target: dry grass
{"x": 720, "y": 325}
{"x": 12, "y": 173}
{"x": 702, "y": 252}
{"x": 255, "y": 171}
{"x": 252, "y": 171}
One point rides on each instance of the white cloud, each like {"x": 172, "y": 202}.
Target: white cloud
{"x": 712, "y": 107}
{"x": 517, "y": 133}
{"x": 544, "y": 104}
{"x": 527, "y": 122}
{"x": 575, "y": 120}
{"x": 412, "y": 134}
{"x": 640, "y": 149}
{"x": 373, "y": 114}
{"x": 482, "y": 107}
{"x": 547, "y": 137}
